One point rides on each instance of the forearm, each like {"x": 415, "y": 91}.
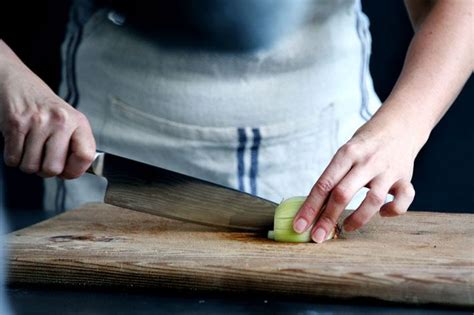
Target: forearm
{"x": 7, "y": 56}
{"x": 11, "y": 68}
{"x": 418, "y": 10}
{"x": 438, "y": 63}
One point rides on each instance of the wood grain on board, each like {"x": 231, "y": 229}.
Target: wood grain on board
{"x": 420, "y": 257}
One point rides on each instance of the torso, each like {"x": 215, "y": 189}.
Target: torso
{"x": 265, "y": 120}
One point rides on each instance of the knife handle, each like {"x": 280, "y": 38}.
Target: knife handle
{"x": 97, "y": 166}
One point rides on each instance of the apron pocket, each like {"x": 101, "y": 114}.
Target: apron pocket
{"x": 204, "y": 152}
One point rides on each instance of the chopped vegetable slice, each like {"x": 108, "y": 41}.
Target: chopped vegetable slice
{"x": 283, "y": 223}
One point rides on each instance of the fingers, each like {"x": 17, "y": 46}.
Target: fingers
{"x": 40, "y": 138}
{"x": 56, "y": 150}
{"x": 313, "y": 204}
{"x": 14, "y": 142}
{"x": 376, "y": 156}
{"x": 374, "y": 199}
{"x": 33, "y": 150}
{"x": 82, "y": 151}
{"x": 340, "y": 197}
{"x": 404, "y": 194}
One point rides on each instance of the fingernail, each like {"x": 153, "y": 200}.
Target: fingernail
{"x": 300, "y": 225}
{"x": 319, "y": 235}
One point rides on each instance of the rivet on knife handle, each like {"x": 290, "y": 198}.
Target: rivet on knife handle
{"x": 97, "y": 166}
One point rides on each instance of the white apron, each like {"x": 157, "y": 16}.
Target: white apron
{"x": 266, "y": 122}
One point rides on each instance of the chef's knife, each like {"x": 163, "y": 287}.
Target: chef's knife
{"x": 146, "y": 188}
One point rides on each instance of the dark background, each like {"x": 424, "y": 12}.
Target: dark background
{"x": 443, "y": 176}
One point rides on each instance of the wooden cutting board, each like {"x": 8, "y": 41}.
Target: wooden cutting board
{"x": 420, "y": 257}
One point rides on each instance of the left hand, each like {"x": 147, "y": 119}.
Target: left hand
{"x": 380, "y": 156}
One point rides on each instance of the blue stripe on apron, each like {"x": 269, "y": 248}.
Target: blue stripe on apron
{"x": 240, "y": 158}
{"x": 68, "y": 80}
{"x": 73, "y": 94}
{"x": 254, "y": 160}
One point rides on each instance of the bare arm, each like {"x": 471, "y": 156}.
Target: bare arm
{"x": 439, "y": 60}
{"x": 381, "y": 153}
{"x": 418, "y": 10}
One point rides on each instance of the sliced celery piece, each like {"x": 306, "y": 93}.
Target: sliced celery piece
{"x": 291, "y": 236}
{"x": 283, "y": 223}
{"x": 288, "y": 208}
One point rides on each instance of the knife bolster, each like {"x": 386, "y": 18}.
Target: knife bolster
{"x": 97, "y": 166}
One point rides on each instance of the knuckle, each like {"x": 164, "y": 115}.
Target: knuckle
{"x": 350, "y": 150}
{"x": 85, "y": 157}
{"x": 11, "y": 160}
{"x": 81, "y": 118}
{"x": 397, "y": 210}
{"x": 308, "y": 212}
{"x": 323, "y": 186}
{"x": 29, "y": 168}
{"x": 409, "y": 190}
{"x": 327, "y": 220}
{"x": 375, "y": 198}
{"x": 14, "y": 124}
{"x": 70, "y": 174}
{"x": 51, "y": 170}
{"x": 341, "y": 195}
{"x": 39, "y": 118}
{"x": 357, "y": 221}
{"x": 59, "y": 117}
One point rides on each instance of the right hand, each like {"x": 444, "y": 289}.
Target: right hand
{"x": 42, "y": 133}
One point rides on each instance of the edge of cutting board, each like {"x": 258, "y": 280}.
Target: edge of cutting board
{"x": 420, "y": 257}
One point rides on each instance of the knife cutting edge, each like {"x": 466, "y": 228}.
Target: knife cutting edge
{"x": 146, "y": 188}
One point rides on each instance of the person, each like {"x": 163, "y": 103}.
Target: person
{"x": 274, "y": 99}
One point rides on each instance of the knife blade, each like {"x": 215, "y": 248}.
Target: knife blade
{"x": 146, "y": 188}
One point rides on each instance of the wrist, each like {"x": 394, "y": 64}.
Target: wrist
{"x": 406, "y": 121}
